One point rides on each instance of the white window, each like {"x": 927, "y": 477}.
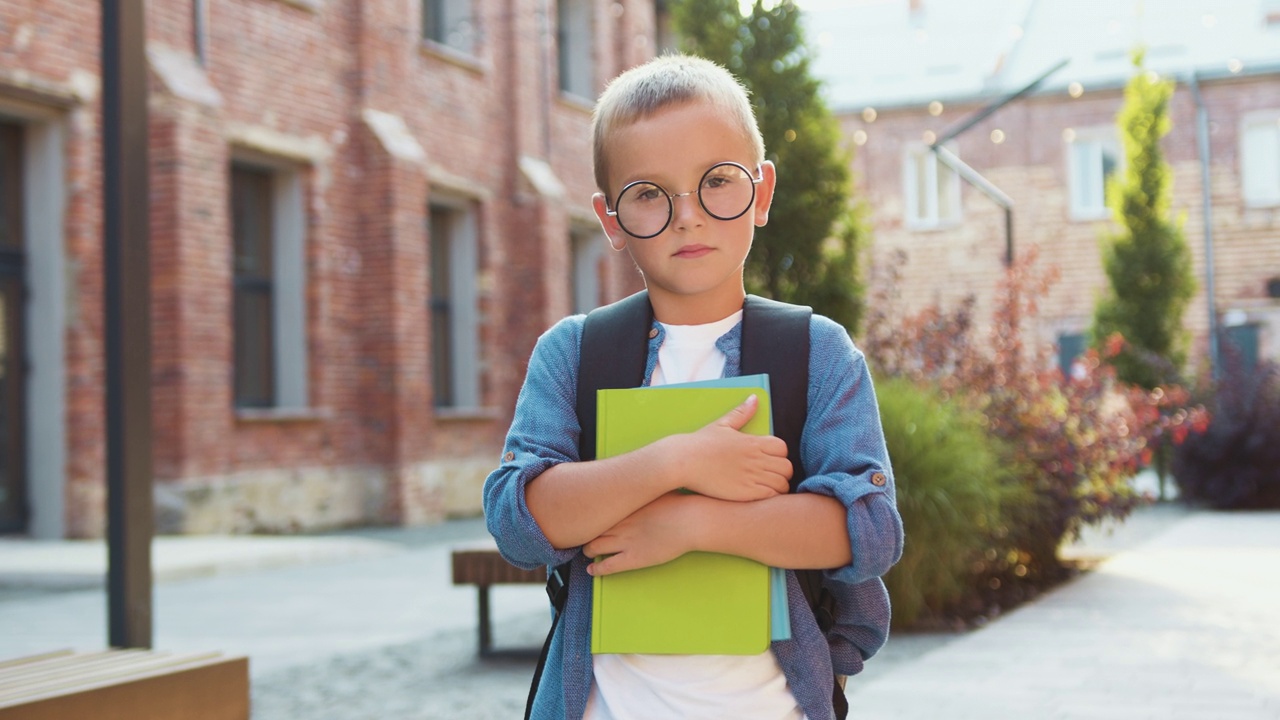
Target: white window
{"x": 455, "y": 336}
{"x": 1260, "y": 159}
{"x": 573, "y": 41}
{"x": 588, "y": 266}
{"x": 269, "y": 277}
{"x": 1093, "y": 156}
{"x": 931, "y": 189}
{"x": 450, "y": 23}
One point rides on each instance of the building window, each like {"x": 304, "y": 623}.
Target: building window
{"x": 932, "y": 189}
{"x": 1093, "y": 158}
{"x": 269, "y": 287}
{"x": 455, "y": 356}
{"x": 1071, "y": 347}
{"x": 588, "y": 258}
{"x": 449, "y": 23}
{"x": 573, "y": 40}
{"x": 1240, "y": 347}
{"x": 1260, "y": 160}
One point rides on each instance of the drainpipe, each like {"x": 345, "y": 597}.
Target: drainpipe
{"x": 1206, "y": 199}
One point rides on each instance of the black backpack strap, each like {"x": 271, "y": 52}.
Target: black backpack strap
{"x": 775, "y": 341}
{"x": 613, "y": 354}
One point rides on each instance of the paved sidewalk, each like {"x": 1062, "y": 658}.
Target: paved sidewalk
{"x": 1182, "y": 621}
{"x": 1184, "y": 625}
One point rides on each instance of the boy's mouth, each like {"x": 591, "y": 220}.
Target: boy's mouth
{"x": 692, "y": 251}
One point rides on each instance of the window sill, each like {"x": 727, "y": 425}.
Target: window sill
{"x": 574, "y": 101}
{"x": 308, "y": 5}
{"x": 1090, "y": 215}
{"x": 452, "y": 55}
{"x": 451, "y": 414}
{"x": 273, "y": 415}
{"x": 926, "y": 227}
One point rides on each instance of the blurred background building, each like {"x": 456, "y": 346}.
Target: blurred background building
{"x": 364, "y": 212}
{"x": 901, "y": 73}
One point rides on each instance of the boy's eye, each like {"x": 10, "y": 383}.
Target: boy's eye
{"x": 716, "y": 181}
{"x": 647, "y": 194}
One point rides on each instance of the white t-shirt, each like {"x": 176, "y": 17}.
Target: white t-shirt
{"x": 711, "y": 687}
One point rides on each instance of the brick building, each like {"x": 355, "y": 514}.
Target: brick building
{"x": 901, "y": 74}
{"x": 364, "y": 212}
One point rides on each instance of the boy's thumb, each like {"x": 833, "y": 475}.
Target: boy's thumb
{"x": 739, "y": 416}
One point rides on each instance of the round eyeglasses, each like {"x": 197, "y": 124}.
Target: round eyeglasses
{"x": 726, "y": 192}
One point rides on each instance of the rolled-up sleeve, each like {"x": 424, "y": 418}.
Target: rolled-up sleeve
{"x": 844, "y": 453}
{"x": 544, "y": 432}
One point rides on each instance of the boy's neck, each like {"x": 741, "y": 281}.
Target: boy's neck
{"x": 672, "y": 309}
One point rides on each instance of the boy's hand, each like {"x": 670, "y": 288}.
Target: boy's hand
{"x": 721, "y": 461}
{"x": 657, "y": 533}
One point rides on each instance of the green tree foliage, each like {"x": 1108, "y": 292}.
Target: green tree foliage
{"x": 808, "y": 253}
{"x": 1147, "y": 261}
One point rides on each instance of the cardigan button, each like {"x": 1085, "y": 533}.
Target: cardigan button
{"x": 878, "y": 479}
{"x": 653, "y": 333}
{"x": 509, "y": 456}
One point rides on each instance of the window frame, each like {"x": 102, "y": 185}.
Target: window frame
{"x": 1268, "y": 120}
{"x": 1100, "y": 139}
{"x": 447, "y": 12}
{"x": 931, "y": 220}
{"x": 586, "y": 250}
{"x": 285, "y": 283}
{"x": 457, "y": 386}
{"x": 576, "y": 49}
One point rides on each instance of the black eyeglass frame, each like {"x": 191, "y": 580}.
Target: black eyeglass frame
{"x": 671, "y": 204}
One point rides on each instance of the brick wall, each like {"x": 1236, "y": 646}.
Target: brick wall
{"x": 312, "y": 86}
{"x": 1030, "y": 165}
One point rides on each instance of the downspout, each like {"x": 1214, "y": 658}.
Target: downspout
{"x": 1206, "y": 199}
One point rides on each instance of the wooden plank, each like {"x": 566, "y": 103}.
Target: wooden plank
{"x": 130, "y": 685}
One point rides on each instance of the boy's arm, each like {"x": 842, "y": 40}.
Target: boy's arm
{"x": 540, "y": 504}
{"x": 796, "y": 531}
{"x": 576, "y": 502}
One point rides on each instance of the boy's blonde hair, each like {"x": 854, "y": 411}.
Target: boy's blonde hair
{"x": 661, "y": 82}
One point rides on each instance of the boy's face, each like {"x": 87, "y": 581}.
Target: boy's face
{"x": 693, "y": 267}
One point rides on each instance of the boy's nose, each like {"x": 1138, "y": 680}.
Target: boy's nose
{"x": 688, "y": 213}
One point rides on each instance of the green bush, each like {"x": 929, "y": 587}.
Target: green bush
{"x": 953, "y": 493}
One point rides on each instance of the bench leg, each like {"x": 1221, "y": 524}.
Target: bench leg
{"x": 486, "y": 632}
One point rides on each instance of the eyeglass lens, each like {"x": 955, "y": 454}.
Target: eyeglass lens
{"x": 725, "y": 192}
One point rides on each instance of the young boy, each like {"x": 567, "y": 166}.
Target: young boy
{"x": 683, "y": 182}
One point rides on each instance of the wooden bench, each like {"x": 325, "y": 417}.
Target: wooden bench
{"x": 125, "y": 685}
{"x": 480, "y": 564}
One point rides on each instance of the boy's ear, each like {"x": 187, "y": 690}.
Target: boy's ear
{"x": 613, "y": 231}
{"x": 764, "y": 193}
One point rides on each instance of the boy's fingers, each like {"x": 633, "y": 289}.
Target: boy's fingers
{"x": 739, "y": 416}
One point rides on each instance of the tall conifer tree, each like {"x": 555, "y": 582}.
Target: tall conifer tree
{"x": 1147, "y": 261}
{"x": 808, "y": 253}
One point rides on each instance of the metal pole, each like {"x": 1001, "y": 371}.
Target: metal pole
{"x": 127, "y": 330}
{"x": 1206, "y": 200}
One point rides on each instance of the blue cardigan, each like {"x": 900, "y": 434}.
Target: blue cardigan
{"x": 842, "y": 448}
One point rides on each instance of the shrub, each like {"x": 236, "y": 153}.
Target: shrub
{"x": 1233, "y": 462}
{"x": 1075, "y": 442}
{"x": 953, "y": 492}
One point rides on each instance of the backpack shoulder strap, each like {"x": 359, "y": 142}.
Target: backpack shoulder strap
{"x": 613, "y": 354}
{"x": 775, "y": 340}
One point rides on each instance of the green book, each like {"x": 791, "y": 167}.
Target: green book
{"x": 699, "y": 603}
